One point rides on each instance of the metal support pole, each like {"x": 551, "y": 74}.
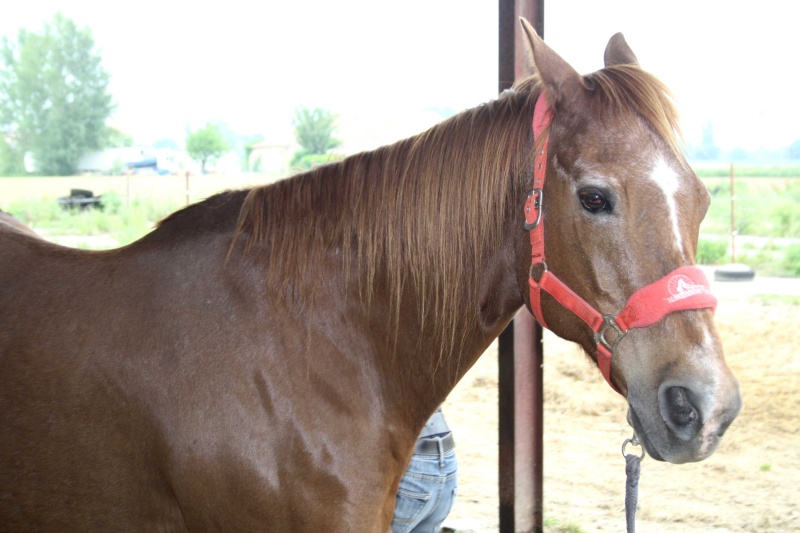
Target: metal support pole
{"x": 520, "y": 349}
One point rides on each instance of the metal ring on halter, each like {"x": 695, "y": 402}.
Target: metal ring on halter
{"x": 633, "y": 441}
{"x": 530, "y": 270}
{"x": 609, "y": 323}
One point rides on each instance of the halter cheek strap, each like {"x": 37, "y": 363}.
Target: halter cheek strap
{"x": 684, "y": 288}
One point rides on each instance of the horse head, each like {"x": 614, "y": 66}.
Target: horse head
{"x": 625, "y": 209}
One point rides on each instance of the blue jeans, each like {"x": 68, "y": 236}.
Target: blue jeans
{"x": 427, "y": 492}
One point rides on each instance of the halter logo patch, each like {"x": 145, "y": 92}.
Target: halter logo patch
{"x": 682, "y": 287}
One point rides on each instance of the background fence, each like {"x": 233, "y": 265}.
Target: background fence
{"x": 174, "y": 188}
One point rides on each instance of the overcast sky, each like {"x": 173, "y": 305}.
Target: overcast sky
{"x": 177, "y": 64}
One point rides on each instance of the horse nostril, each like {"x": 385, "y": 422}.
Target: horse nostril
{"x": 681, "y": 411}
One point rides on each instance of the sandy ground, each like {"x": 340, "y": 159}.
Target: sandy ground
{"x": 752, "y": 483}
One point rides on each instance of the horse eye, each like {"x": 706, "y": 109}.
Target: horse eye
{"x": 593, "y": 201}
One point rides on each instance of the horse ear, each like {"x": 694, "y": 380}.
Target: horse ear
{"x": 557, "y": 75}
{"x": 618, "y": 52}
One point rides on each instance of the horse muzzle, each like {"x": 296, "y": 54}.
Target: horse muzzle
{"x": 688, "y": 419}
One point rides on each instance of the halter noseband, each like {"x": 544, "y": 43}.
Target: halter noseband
{"x": 684, "y": 288}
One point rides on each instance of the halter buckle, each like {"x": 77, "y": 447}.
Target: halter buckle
{"x": 609, "y": 323}
{"x": 534, "y": 203}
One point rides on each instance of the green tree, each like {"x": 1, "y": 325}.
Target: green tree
{"x": 206, "y": 144}
{"x": 11, "y": 162}
{"x": 54, "y": 94}
{"x": 314, "y": 129}
{"x": 116, "y": 138}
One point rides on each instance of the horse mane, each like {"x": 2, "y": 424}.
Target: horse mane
{"x": 423, "y": 212}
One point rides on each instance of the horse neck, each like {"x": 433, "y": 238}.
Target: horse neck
{"x": 430, "y": 356}
{"x": 449, "y": 278}
{"x": 425, "y": 233}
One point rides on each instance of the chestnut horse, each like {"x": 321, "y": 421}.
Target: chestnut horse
{"x": 265, "y": 359}
{"x": 9, "y": 223}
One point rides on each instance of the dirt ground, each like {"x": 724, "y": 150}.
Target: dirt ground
{"x": 752, "y": 482}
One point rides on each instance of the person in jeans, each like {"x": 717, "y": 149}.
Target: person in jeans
{"x": 428, "y": 487}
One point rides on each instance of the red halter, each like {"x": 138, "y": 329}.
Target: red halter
{"x": 684, "y": 288}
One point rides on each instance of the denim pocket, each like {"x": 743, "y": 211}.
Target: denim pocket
{"x": 409, "y": 508}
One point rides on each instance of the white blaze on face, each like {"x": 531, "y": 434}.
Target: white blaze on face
{"x": 667, "y": 180}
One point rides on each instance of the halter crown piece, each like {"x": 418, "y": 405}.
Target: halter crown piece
{"x": 684, "y": 288}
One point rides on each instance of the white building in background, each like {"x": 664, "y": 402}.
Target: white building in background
{"x": 136, "y": 159}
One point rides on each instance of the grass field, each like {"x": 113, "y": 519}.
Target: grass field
{"x": 766, "y": 223}
{"x": 133, "y": 204}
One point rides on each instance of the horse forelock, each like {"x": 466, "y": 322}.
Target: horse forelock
{"x": 622, "y": 88}
{"x": 422, "y": 213}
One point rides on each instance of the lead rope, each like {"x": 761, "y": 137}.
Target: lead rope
{"x": 632, "y": 470}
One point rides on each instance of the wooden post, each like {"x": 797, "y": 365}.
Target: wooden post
{"x": 733, "y": 219}
{"x": 520, "y": 401}
{"x": 187, "y": 187}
